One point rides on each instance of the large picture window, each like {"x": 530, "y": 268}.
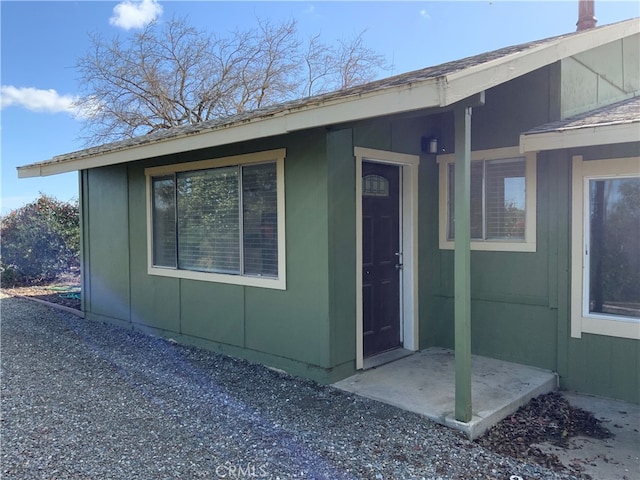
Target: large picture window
{"x": 219, "y": 220}
{"x": 606, "y": 250}
{"x": 503, "y": 185}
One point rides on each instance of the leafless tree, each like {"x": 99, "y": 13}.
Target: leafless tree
{"x": 355, "y": 63}
{"x": 172, "y": 74}
{"x": 344, "y": 65}
{"x": 319, "y": 65}
{"x": 269, "y": 66}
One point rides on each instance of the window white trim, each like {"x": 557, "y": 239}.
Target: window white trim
{"x": 529, "y": 242}
{"x": 581, "y": 320}
{"x": 278, "y": 156}
{"x": 409, "y": 240}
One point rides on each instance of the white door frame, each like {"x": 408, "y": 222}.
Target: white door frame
{"x": 409, "y": 243}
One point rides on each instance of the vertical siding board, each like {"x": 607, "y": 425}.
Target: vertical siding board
{"x": 215, "y": 314}
{"x": 373, "y": 134}
{"x": 508, "y": 112}
{"x": 295, "y": 323}
{"x": 631, "y": 63}
{"x": 576, "y": 378}
{"x": 599, "y": 363}
{"x": 342, "y": 248}
{"x": 548, "y": 223}
{"x": 625, "y": 368}
{"x": 560, "y": 266}
{"x": 108, "y": 229}
{"x": 85, "y": 275}
{"x": 514, "y": 332}
{"x": 430, "y": 268}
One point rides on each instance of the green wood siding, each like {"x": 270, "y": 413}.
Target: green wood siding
{"x": 604, "y": 366}
{"x": 513, "y": 108}
{"x": 342, "y": 249}
{"x": 289, "y": 329}
{"x": 295, "y": 323}
{"x": 212, "y": 313}
{"x": 520, "y": 302}
{"x": 105, "y": 195}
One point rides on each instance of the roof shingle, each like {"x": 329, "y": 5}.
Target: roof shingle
{"x": 625, "y": 111}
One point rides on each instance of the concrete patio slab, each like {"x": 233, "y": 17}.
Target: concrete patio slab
{"x": 424, "y": 383}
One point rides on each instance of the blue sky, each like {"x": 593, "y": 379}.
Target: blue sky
{"x": 41, "y": 41}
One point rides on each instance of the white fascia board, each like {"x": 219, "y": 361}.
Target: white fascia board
{"x": 580, "y": 137}
{"x": 425, "y": 94}
{"x": 254, "y": 129}
{"x": 402, "y": 99}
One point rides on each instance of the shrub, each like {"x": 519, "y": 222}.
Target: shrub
{"x": 40, "y": 241}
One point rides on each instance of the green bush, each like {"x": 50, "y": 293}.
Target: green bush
{"x": 40, "y": 241}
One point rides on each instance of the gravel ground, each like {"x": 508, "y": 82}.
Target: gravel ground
{"x": 85, "y": 400}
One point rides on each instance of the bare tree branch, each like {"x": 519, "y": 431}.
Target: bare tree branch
{"x": 356, "y": 63}
{"x": 173, "y": 74}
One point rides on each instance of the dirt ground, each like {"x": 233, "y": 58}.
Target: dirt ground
{"x": 548, "y": 419}
{"x": 65, "y": 291}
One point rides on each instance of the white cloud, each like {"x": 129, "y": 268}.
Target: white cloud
{"x": 135, "y": 13}
{"x": 424, "y": 14}
{"x": 36, "y": 100}
{"x": 46, "y": 101}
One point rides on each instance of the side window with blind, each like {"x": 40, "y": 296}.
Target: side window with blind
{"x": 219, "y": 222}
{"x": 502, "y": 201}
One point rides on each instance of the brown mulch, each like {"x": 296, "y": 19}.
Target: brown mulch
{"x": 545, "y": 419}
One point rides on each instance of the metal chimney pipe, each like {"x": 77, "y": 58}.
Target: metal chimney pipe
{"x": 586, "y": 15}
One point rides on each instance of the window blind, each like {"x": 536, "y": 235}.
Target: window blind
{"x": 497, "y": 199}
{"x": 260, "y": 229}
{"x": 476, "y": 205}
{"x": 505, "y": 199}
{"x": 218, "y": 220}
{"x": 208, "y": 220}
{"x": 164, "y": 221}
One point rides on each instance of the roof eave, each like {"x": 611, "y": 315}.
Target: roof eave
{"x": 435, "y": 92}
{"x": 580, "y": 137}
{"x": 400, "y": 99}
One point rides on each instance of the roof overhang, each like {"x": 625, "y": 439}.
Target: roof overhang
{"x": 436, "y": 92}
{"x": 604, "y": 134}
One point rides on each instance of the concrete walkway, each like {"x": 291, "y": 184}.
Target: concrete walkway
{"x": 424, "y": 383}
{"x": 616, "y": 458}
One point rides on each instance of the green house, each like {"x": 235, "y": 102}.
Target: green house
{"x": 489, "y": 205}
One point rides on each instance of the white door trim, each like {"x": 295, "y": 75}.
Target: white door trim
{"x": 409, "y": 241}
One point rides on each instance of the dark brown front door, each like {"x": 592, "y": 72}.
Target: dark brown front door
{"x": 380, "y": 257}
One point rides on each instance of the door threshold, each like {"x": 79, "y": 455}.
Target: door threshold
{"x": 385, "y": 357}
